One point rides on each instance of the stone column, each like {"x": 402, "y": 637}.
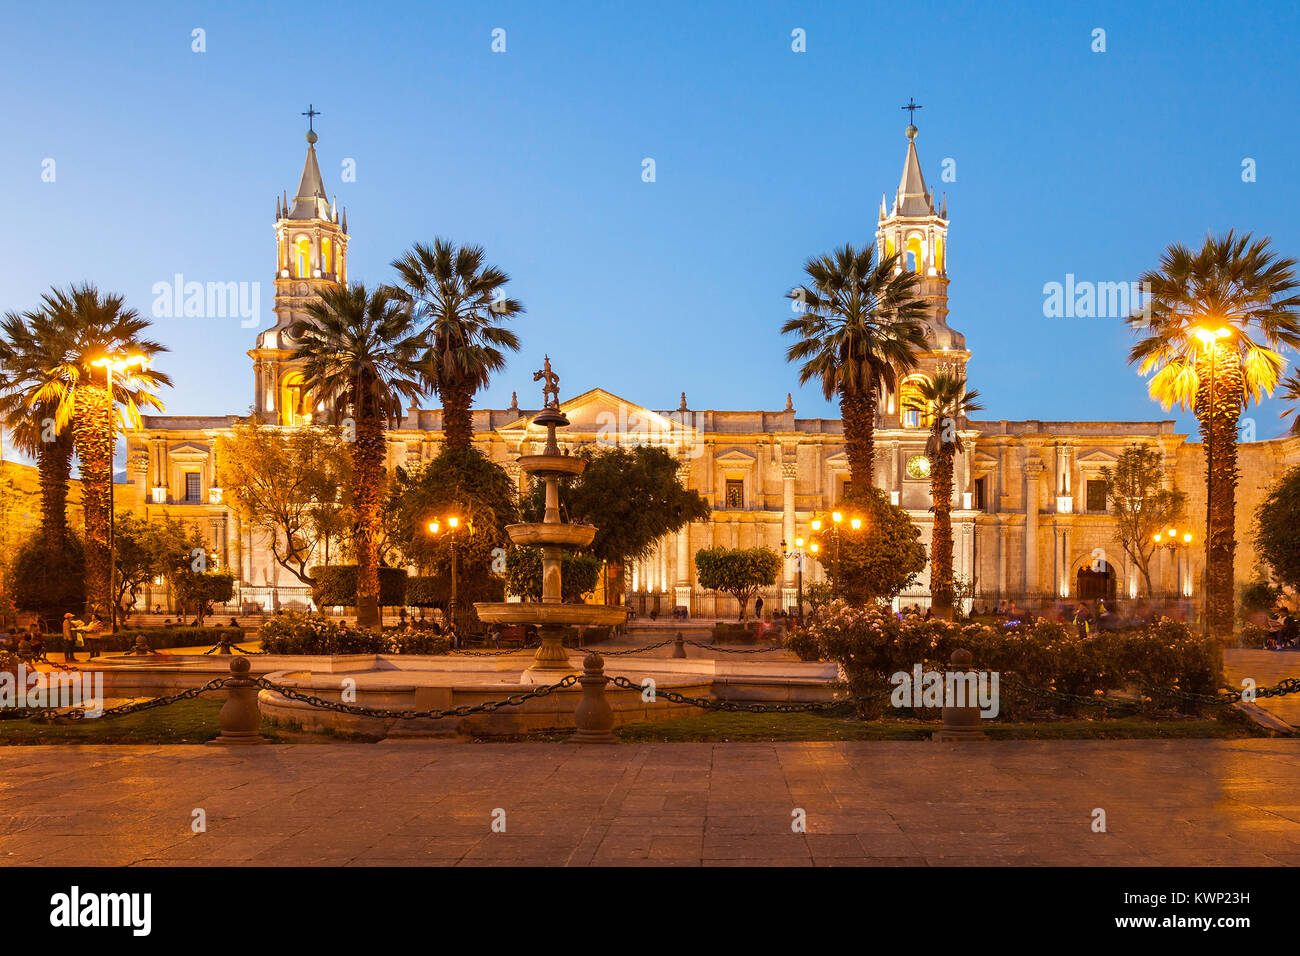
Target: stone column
{"x": 789, "y": 475}
{"x": 1033, "y": 474}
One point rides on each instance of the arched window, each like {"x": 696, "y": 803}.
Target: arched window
{"x": 915, "y": 256}
{"x": 295, "y": 407}
{"x": 302, "y": 246}
{"x": 908, "y": 394}
{"x": 889, "y": 248}
{"x": 938, "y": 254}
{"x": 326, "y": 255}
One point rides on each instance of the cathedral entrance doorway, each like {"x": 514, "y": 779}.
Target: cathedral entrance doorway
{"x": 1089, "y": 585}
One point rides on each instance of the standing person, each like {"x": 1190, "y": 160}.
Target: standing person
{"x": 758, "y": 607}
{"x": 93, "y": 630}
{"x": 1082, "y": 617}
{"x": 69, "y": 639}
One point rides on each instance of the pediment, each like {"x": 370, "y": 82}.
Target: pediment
{"x": 188, "y": 450}
{"x": 1097, "y": 457}
{"x": 606, "y": 417}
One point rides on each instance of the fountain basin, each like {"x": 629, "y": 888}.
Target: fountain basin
{"x": 552, "y": 464}
{"x": 561, "y": 535}
{"x": 573, "y": 615}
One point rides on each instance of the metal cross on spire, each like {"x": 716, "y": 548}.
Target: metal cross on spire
{"x": 311, "y": 115}
{"x": 911, "y": 107}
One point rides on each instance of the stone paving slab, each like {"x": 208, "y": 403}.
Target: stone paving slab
{"x": 1232, "y": 802}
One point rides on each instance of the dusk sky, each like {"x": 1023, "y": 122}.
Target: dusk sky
{"x": 1067, "y": 161}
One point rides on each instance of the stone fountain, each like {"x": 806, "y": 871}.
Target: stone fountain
{"x": 553, "y": 618}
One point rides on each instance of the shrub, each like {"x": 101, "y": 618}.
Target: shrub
{"x": 336, "y": 586}
{"x": 50, "y": 585}
{"x": 297, "y": 633}
{"x": 163, "y": 638}
{"x": 871, "y": 643}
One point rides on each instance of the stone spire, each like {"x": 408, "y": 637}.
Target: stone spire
{"x": 310, "y": 202}
{"x": 912, "y": 198}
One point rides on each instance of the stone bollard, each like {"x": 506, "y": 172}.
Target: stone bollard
{"x": 679, "y": 646}
{"x": 961, "y": 723}
{"x": 593, "y": 716}
{"x": 240, "y": 716}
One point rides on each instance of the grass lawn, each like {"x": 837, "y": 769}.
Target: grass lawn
{"x": 195, "y": 721}
{"x": 184, "y": 722}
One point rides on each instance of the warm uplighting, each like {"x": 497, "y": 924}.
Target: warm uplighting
{"x": 452, "y": 522}
{"x": 855, "y": 523}
{"x": 1209, "y": 336}
{"x": 798, "y": 542}
{"x": 434, "y": 527}
{"x": 813, "y": 547}
{"x": 1156, "y": 537}
{"x": 1187, "y": 538}
{"x": 815, "y": 524}
{"x": 121, "y": 363}
{"x": 836, "y": 517}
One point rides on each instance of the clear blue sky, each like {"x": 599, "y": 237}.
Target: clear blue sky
{"x": 1067, "y": 161}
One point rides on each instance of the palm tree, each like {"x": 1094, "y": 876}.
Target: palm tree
{"x": 28, "y": 364}
{"x": 946, "y": 404}
{"x": 861, "y": 323}
{"x": 360, "y": 351}
{"x": 460, "y": 304}
{"x": 81, "y": 326}
{"x": 1212, "y": 329}
{"x": 1291, "y": 393}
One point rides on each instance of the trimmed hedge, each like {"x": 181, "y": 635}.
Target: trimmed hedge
{"x": 160, "y": 638}
{"x": 296, "y": 633}
{"x": 336, "y": 586}
{"x": 871, "y": 644}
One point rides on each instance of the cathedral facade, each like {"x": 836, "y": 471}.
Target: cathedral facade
{"x": 1030, "y": 520}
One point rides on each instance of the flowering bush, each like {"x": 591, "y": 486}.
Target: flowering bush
{"x": 296, "y": 633}
{"x": 870, "y": 643}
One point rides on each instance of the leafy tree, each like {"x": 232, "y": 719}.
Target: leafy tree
{"x": 1142, "y": 505}
{"x": 879, "y": 559}
{"x": 946, "y": 404}
{"x": 633, "y": 496}
{"x": 200, "y": 589}
{"x": 293, "y": 486}
{"x": 144, "y": 549}
{"x": 740, "y": 572}
{"x": 1276, "y": 521}
{"x": 861, "y": 324}
{"x": 579, "y": 573}
{"x": 336, "y": 586}
{"x": 359, "y": 351}
{"x": 79, "y": 328}
{"x": 1212, "y": 332}
{"x": 49, "y": 583}
{"x": 461, "y": 482}
{"x": 460, "y": 303}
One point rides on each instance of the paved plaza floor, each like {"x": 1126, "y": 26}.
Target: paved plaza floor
{"x": 1187, "y": 802}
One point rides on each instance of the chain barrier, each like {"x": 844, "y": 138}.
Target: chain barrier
{"x": 464, "y": 710}
{"x": 51, "y": 716}
{"x": 708, "y": 703}
{"x": 735, "y": 650}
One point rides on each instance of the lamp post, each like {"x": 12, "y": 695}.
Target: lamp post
{"x": 1209, "y": 337}
{"x": 435, "y": 528}
{"x": 1175, "y": 542}
{"x": 111, "y": 364}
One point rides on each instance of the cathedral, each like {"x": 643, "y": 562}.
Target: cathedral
{"x": 1030, "y": 519}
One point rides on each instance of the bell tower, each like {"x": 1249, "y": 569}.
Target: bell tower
{"x": 916, "y": 228}
{"x": 311, "y": 241}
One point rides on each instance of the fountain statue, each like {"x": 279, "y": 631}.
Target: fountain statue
{"x": 552, "y": 616}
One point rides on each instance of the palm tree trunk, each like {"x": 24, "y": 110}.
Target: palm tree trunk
{"x": 54, "y": 468}
{"x": 367, "y": 475}
{"x": 858, "y": 410}
{"x": 94, "y": 439}
{"x": 941, "y": 583}
{"x": 457, "y": 419}
{"x": 1218, "y": 411}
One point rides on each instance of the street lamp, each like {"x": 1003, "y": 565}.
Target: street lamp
{"x": 435, "y": 528}
{"x": 1175, "y": 542}
{"x": 1209, "y": 338}
{"x": 111, "y": 364}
